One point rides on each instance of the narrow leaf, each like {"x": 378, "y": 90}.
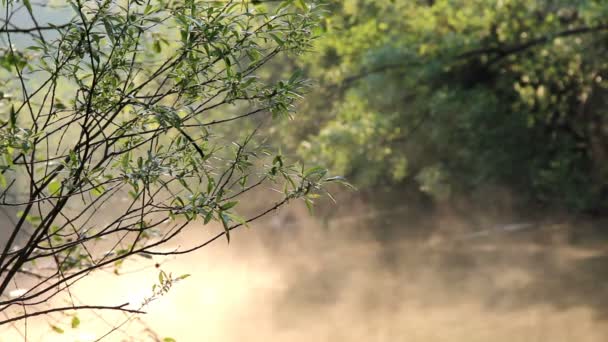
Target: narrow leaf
{"x": 224, "y": 220}
{"x": 28, "y": 5}
{"x": 229, "y": 205}
{"x": 57, "y": 329}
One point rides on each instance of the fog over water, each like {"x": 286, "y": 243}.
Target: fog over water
{"x": 363, "y": 277}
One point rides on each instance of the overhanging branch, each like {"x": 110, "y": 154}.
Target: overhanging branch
{"x": 67, "y": 308}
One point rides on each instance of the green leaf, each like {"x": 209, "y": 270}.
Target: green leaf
{"x": 109, "y": 29}
{"x": 254, "y": 55}
{"x": 133, "y": 194}
{"x": 148, "y": 9}
{"x": 295, "y": 76}
{"x": 73, "y": 157}
{"x": 54, "y": 187}
{"x": 34, "y": 220}
{"x": 145, "y": 255}
{"x": 124, "y": 161}
{"x": 224, "y": 218}
{"x": 229, "y": 205}
{"x": 239, "y": 219}
{"x": 276, "y": 38}
{"x": 169, "y": 339}
{"x": 98, "y": 191}
{"x": 183, "y": 276}
{"x": 57, "y": 329}
{"x": 55, "y": 229}
{"x": 2, "y": 181}
{"x": 28, "y": 5}
{"x": 309, "y": 205}
{"x": 208, "y": 217}
{"x": 75, "y": 322}
{"x": 13, "y": 117}
{"x": 157, "y": 47}
{"x": 340, "y": 180}
{"x": 283, "y": 5}
{"x": 302, "y": 5}
{"x": 317, "y": 170}
{"x": 210, "y": 184}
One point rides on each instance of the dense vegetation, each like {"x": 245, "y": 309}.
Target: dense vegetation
{"x": 457, "y": 95}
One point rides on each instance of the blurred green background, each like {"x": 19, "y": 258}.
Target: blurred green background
{"x": 450, "y": 98}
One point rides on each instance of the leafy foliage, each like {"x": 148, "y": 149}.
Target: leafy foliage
{"x": 457, "y": 95}
{"x": 129, "y": 121}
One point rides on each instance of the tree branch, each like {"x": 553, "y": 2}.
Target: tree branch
{"x": 34, "y": 29}
{"x": 503, "y": 52}
{"x": 500, "y": 52}
{"x": 67, "y": 308}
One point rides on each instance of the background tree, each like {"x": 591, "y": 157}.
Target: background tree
{"x": 454, "y": 96}
{"x": 125, "y": 123}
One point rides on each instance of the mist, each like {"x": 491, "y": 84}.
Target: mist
{"x": 371, "y": 275}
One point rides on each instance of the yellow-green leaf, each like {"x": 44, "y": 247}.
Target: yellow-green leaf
{"x": 54, "y": 187}
{"x": 57, "y": 329}
{"x": 75, "y": 322}
{"x": 302, "y": 5}
{"x": 28, "y": 5}
{"x": 98, "y": 191}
